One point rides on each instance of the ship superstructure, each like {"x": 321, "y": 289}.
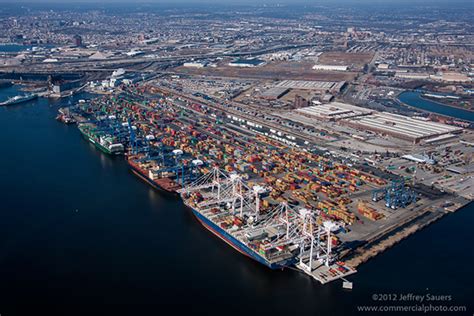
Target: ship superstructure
{"x": 107, "y": 143}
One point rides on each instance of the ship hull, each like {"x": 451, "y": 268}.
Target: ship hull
{"x": 19, "y": 101}
{"x": 236, "y": 244}
{"x": 153, "y": 184}
{"x": 98, "y": 145}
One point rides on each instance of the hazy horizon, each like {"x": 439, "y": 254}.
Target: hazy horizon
{"x": 238, "y": 2}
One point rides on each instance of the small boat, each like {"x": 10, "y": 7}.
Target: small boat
{"x": 347, "y": 285}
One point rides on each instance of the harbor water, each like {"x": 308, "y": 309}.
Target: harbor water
{"x": 80, "y": 234}
{"x": 15, "y": 48}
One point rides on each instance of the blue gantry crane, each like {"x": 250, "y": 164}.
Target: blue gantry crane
{"x": 171, "y": 161}
{"x": 137, "y": 144}
{"x": 183, "y": 173}
{"x": 396, "y": 195}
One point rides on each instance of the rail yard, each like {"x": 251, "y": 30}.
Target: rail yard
{"x": 271, "y": 193}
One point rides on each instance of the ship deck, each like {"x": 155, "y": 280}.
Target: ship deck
{"x": 239, "y": 233}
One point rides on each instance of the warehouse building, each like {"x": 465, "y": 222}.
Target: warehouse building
{"x": 321, "y": 86}
{"x": 333, "y": 111}
{"x": 274, "y": 93}
{"x": 331, "y": 67}
{"x": 194, "y": 65}
{"x": 402, "y": 127}
{"x": 412, "y": 75}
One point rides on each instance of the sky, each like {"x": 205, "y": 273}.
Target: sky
{"x": 471, "y": 2}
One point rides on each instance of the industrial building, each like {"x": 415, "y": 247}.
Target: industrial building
{"x": 300, "y": 102}
{"x": 412, "y": 75}
{"x": 194, "y": 65}
{"x": 134, "y": 53}
{"x": 62, "y": 86}
{"x": 419, "y": 158}
{"x": 321, "y": 86}
{"x": 274, "y": 93}
{"x": 77, "y": 40}
{"x": 401, "y": 127}
{"x": 333, "y": 111}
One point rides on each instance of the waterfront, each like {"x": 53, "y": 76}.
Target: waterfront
{"x": 14, "y": 48}
{"x": 414, "y": 99}
{"x": 80, "y": 232}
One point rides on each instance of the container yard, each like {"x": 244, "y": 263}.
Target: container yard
{"x": 278, "y": 201}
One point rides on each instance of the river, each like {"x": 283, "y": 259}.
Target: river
{"x": 414, "y": 99}
{"x": 80, "y": 234}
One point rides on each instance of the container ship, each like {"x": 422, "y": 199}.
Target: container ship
{"x": 65, "y": 117}
{"x": 105, "y": 143}
{"x": 19, "y": 99}
{"x": 234, "y": 230}
{"x": 149, "y": 172}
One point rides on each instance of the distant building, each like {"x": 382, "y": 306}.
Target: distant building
{"x": 194, "y": 65}
{"x": 117, "y": 73}
{"x": 134, "y": 53}
{"x": 327, "y": 98}
{"x": 151, "y": 41}
{"x": 420, "y": 158}
{"x": 331, "y": 67}
{"x": 319, "y": 86}
{"x": 300, "y": 102}
{"x": 412, "y": 75}
{"x": 274, "y": 93}
{"x": 77, "y": 40}
{"x": 60, "y": 87}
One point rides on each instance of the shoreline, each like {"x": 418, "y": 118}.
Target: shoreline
{"x": 443, "y": 104}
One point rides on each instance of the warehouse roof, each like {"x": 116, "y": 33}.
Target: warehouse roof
{"x": 334, "y": 110}
{"x": 403, "y": 125}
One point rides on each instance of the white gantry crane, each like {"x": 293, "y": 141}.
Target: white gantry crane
{"x": 210, "y": 180}
{"x": 300, "y": 228}
{"x": 329, "y": 228}
{"x": 294, "y": 227}
{"x": 220, "y": 188}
